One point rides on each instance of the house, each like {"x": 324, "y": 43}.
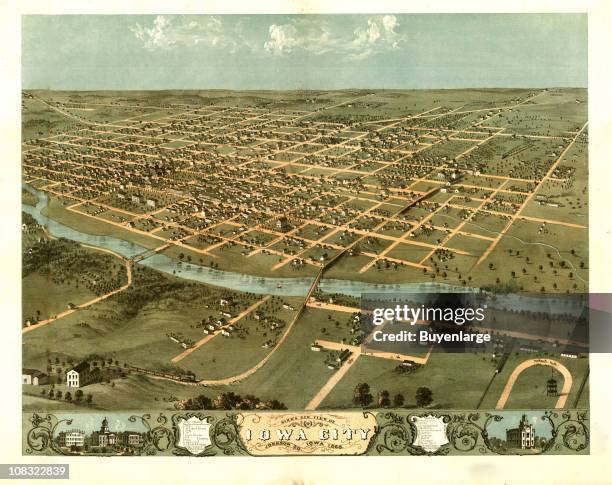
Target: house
{"x": 34, "y": 377}
{"x": 315, "y": 347}
{"x": 72, "y": 438}
{"x": 78, "y": 376}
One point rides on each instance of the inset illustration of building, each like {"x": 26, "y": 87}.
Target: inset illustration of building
{"x": 72, "y": 438}
{"x": 100, "y": 440}
{"x": 105, "y": 437}
{"x": 522, "y": 437}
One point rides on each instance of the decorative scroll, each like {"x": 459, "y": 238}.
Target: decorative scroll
{"x": 265, "y": 433}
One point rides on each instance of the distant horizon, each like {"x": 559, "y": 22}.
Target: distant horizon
{"x": 304, "y": 52}
{"x": 487, "y": 88}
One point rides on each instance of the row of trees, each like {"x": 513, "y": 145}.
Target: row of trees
{"x": 78, "y": 395}
{"x": 231, "y": 400}
{"x": 363, "y": 397}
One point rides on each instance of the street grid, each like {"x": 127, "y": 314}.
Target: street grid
{"x": 205, "y": 178}
{"x": 260, "y": 179}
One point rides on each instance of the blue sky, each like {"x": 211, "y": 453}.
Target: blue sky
{"x": 387, "y": 51}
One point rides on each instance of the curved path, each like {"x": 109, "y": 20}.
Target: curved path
{"x": 256, "y": 367}
{"x": 128, "y": 267}
{"x": 567, "y": 380}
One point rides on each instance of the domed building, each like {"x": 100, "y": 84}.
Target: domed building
{"x": 104, "y": 437}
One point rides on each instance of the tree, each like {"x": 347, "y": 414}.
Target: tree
{"x": 424, "y": 397}
{"x": 227, "y": 400}
{"x": 78, "y": 395}
{"x": 398, "y": 400}
{"x": 275, "y": 404}
{"x": 68, "y": 396}
{"x": 361, "y": 395}
{"x": 383, "y": 399}
{"x": 89, "y": 398}
{"x": 199, "y": 402}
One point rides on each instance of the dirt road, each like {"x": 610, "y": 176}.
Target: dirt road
{"x": 567, "y": 380}
{"x": 128, "y": 266}
{"x": 208, "y": 338}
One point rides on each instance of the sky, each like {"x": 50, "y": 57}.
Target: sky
{"x": 276, "y": 52}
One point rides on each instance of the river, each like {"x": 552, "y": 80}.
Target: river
{"x": 225, "y": 279}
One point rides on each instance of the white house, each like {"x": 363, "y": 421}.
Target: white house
{"x": 33, "y": 377}
{"x": 78, "y": 376}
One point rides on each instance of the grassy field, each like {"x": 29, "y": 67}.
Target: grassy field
{"x": 28, "y": 198}
{"x": 134, "y": 392}
{"x": 133, "y": 326}
{"x": 59, "y": 273}
{"x": 457, "y": 381}
{"x": 529, "y": 390}
{"x": 227, "y": 356}
{"x": 41, "y": 294}
{"x": 57, "y": 211}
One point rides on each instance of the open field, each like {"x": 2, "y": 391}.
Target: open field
{"x": 442, "y": 374}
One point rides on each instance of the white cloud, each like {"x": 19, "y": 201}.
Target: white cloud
{"x": 312, "y": 36}
{"x": 167, "y": 32}
{"x": 303, "y": 34}
{"x": 283, "y": 38}
{"x": 378, "y": 34}
{"x": 155, "y": 36}
{"x": 389, "y": 22}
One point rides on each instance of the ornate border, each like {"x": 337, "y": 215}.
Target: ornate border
{"x": 395, "y": 433}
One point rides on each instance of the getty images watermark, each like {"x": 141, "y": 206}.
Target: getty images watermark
{"x": 406, "y": 323}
